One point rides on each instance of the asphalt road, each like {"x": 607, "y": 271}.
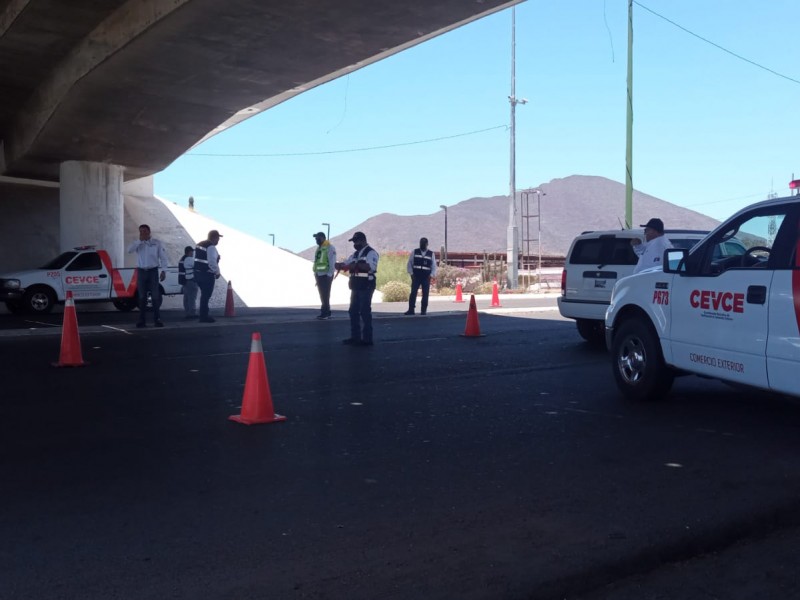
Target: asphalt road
{"x": 428, "y": 466}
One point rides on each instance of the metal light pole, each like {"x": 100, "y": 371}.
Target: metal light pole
{"x": 272, "y": 235}
{"x": 445, "y": 232}
{"x": 328, "y": 225}
{"x": 512, "y": 247}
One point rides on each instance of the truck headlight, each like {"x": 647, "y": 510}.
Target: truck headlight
{"x": 11, "y": 284}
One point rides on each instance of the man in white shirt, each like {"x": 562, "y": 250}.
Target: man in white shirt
{"x": 206, "y": 271}
{"x": 150, "y": 254}
{"x": 651, "y": 252}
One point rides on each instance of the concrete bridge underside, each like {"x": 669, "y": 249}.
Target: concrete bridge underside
{"x": 136, "y": 83}
{"x": 94, "y": 93}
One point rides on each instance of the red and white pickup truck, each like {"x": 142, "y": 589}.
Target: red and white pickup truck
{"x": 84, "y": 271}
{"x": 729, "y": 317}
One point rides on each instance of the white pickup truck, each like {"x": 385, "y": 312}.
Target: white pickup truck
{"x": 87, "y": 273}
{"x": 734, "y": 318}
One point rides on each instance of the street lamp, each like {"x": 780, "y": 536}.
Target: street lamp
{"x": 328, "y": 225}
{"x": 445, "y": 232}
{"x": 272, "y": 235}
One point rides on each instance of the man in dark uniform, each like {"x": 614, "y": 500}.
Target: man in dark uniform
{"x": 206, "y": 271}
{"x": 422, "y": 267}
{"x": 363, "y": 267}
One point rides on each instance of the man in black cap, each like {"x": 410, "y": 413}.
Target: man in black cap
{"x": 324, "y": 263}
{"x": 421, "y": 266}
{"x": 363, "y": 268}
{"x": 651, "y": 252}
{"x": 206, "y": 271}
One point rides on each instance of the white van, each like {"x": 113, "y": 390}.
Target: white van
{"x": 595, "y": 262}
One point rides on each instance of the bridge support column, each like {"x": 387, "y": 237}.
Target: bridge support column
{"x": 91, "y": 207}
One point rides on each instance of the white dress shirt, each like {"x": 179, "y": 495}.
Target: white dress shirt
{"x": 149, "y": 254}
{"x": 651, "y": 253}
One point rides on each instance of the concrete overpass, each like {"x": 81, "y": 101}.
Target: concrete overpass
{"x": 97, "y": 92}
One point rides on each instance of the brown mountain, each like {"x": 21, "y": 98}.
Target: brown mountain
{"x": 569, "y": 206}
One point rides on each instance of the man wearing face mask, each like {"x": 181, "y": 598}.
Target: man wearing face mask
{"x": 363, "y": 267}
{"x": 421, "y": 266}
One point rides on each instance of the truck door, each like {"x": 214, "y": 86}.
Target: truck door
{"x": 720, "y": 308}
{"x": 783, "y": 343}
{"x": 86, "y": 278}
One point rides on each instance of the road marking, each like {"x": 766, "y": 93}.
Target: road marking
{"x": 117, "y": 329}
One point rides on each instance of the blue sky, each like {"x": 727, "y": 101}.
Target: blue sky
{"x": 712, "y": 132}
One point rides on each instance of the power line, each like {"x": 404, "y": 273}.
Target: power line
{"x": 700, "y": 37}
{"x": 398, "y": 145}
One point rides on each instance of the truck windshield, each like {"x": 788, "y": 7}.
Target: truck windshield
{"x": 59, "y": 261}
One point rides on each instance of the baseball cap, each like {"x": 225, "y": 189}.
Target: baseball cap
{"x": 656, "y": 224}
{"x": 214, "y": 233}
{"x": 358, "y": 235}
{"x": 318, "y": 234}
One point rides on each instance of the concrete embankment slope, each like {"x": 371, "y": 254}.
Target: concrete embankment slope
{"x": 261, "y": 274}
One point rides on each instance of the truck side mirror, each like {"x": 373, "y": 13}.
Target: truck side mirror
{"x": 675, "y": 260}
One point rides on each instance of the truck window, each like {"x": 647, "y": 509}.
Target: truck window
{"x": 88, "y": 261}
{"x": 59, "y": 261}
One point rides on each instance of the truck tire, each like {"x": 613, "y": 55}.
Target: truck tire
{"x": 126, "y": 304}
{"x": 638, "y": 364}
{"x": 592, "y": 331}
{"x": 39, "y": 300}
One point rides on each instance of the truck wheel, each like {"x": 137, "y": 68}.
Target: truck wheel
{"x": 39, "y": 300}
{"x": 125, "y": 304}
{"x": 638, "y": 365}
{"x": 592, "y": 331}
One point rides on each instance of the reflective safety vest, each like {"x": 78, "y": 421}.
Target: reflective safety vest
{"x": 201, "y": 258}
{"x": 185, "y": 269}
{"x": 423, "y": 261}
{"x": 321, "y": 259}
{"x": 361, "y": 281}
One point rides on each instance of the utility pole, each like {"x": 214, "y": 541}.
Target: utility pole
{"x": 629, "y": 127}
{"x": 512, "y": 246}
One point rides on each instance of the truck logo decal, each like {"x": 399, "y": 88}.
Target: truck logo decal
{"x": 81, "y": 279}
{"x": 121, "y": 290}
{"x": 718, "y": 301}
{"x": 661, "y": 297}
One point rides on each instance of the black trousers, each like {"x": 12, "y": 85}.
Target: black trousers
{"x": 205, "y": 281}
{"x": 148, "y": 282}
{"x": 361, "y": 313}
{"x": 419, "y": 281}
{"x": 324, "y": 289}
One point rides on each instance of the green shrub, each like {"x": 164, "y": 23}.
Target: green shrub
{"x": 481, "y": 288}
{"x": 447, "y": 276}
{"x": 396, "y": 291}
{"x": 392, "y": 267}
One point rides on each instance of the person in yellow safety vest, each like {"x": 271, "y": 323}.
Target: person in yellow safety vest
{"x": 324, "y": 264}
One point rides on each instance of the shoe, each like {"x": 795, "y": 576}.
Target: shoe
{"x": 424, "y": 312}
{"x": 364, "y": 343}
{"x": 158, "y": 324}
{"x": 351, "y": 342}
{"x": 207, "y": 320}
{"x": 409, "y": 312}
{"x": 141, "y": 324}
{"x": 323, "y": 317}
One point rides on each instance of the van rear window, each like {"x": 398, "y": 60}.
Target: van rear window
{"x": 606, "y": 250}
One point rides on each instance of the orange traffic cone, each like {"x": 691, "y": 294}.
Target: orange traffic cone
{"x": 229, "y": 312}
{"x": 495, "y": 295}
{"x": 70, "y": 341}
{"x": 459, "y": 297}
{"x": 473, "y": 327}
{"x": 257, "y": 399}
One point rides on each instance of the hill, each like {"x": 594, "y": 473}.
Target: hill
{"x": 569, "y": 206}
